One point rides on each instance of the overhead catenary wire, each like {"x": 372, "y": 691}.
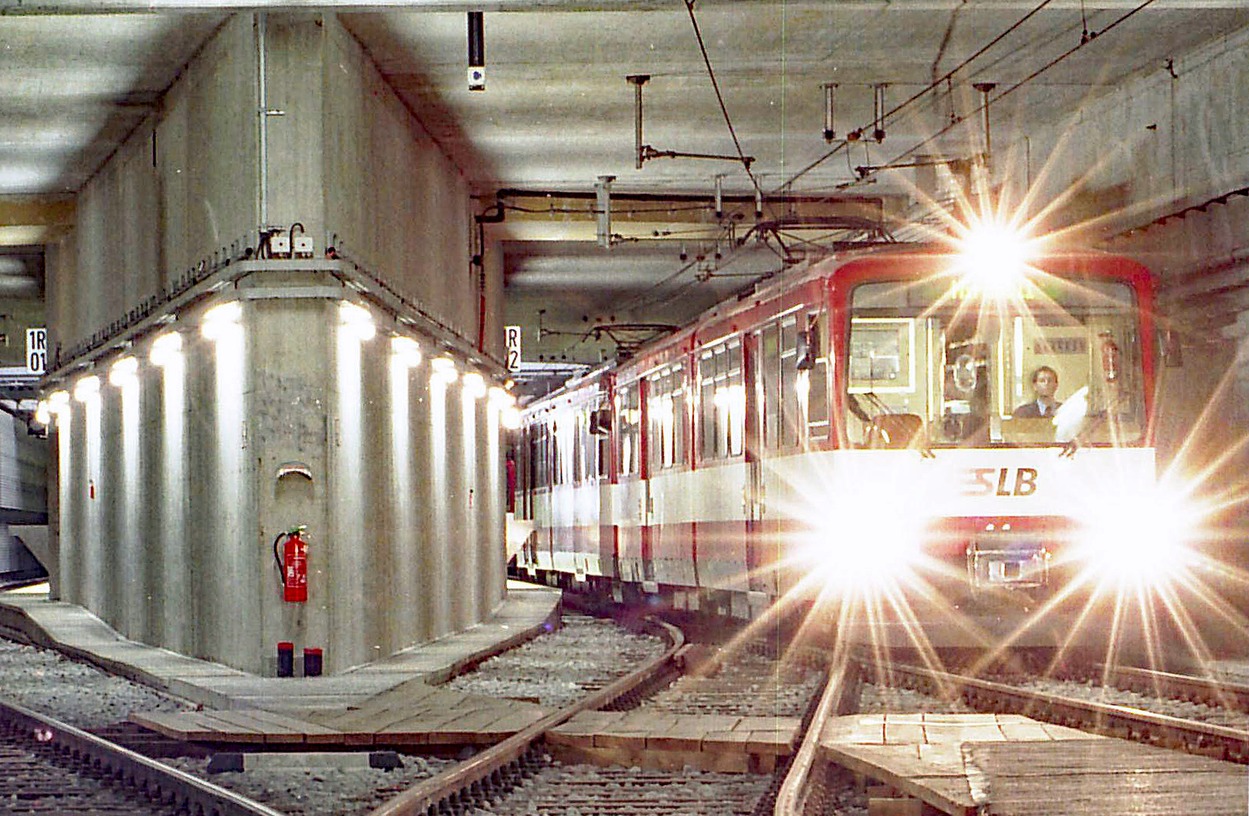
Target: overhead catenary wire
{"x": 944, "y": 79}
{"x": 711, "y": 73}
{"x": 932, "y": 86}
{"x": 1021, "y": 83}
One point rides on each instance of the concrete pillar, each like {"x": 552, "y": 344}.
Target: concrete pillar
{"x": 266, "y": 394}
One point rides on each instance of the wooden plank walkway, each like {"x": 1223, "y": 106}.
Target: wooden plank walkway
{"x": 1010, "y": 765}
{"x": 410, "y": 714}
{"x": 663, "y": 741}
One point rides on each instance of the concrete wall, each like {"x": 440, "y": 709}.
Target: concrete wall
{"x": 169, "y": 486}
{"x": 392, "y": 197}
{"x": 180, "y": 188}
{"x": 1136, "y": 164}
{"x": 1151, "y": 148}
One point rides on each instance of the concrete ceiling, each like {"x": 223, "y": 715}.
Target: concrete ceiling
{"x": 558, "y": 112}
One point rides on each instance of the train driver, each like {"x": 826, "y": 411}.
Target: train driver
{"x": 1045, "y": 385}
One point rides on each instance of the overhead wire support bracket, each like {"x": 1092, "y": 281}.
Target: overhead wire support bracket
{"x": 645, "y": 152}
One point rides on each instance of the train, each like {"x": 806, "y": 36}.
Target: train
{"x": 858, "y": 429}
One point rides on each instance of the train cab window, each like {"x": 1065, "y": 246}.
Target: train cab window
{"x": 722, "y": 393}
{"x": 629, "y": 409}
{"x": 965, "y": 374}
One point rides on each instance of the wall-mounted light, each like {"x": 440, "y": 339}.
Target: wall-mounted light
{"x": 43, "y": 415}
{"x": 220, "y": 319}
{"x": 445, "y": 370}
{"x": 474, "y": 385}
{"x": 406, "y": 350}
{"x": 165, "y": 349}
{"x": 357, "y": 318}
{"x": 87, "y": 388}
{"x": 500, "y": 398}
{"x": 124, "y": 372}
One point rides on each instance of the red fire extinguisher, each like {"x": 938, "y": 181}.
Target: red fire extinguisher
{"x": 292, "y": 561}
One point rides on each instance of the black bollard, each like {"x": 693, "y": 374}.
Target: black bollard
{"x": 286, "y": 659}
{"x": 312, "y": 662}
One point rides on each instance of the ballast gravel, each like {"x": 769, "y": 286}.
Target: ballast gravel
{"x": 320, "y": 791}
{"x": 554, "y": 669}
{"x": 1184, "y": 709}
{"x": 745, "y": 685}
{"x": 588, "y": 790}
{"x": 75, "y": 693}
{"x": 561, "y": 667}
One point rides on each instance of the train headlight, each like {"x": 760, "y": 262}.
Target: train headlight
{"x": 994, "y": 258}
{"x": 1143, "y": 539}
{"x": 864, "y": 544}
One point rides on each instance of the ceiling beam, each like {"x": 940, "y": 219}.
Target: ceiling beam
{"x": 34, "y": 220}
{"x": 43, "y": 7}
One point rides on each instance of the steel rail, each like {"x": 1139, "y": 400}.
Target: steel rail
{"x": 428, "y": 794}
{"x": 130, "y": 768}
{"x": 840, "y": 693}
{"x": 1230, "y": 744}
{"x": 1208, "y": 690}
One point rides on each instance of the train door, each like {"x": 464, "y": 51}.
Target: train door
{"x": 721, "y": 484}
{"x": 759, "y": 346}
{"x": 670, "y": 503}
{"x": 631, "y": 496}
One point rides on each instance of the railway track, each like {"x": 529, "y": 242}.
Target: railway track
{"x": 49, "y": 767}
{"x": 501, "y": 767}
{"x": 1125, "y": 722}
{"x": 803, "y": 793}
{"x": 1203, "y": 690}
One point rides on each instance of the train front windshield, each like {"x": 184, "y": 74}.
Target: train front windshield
{"x": 928, "y": 366}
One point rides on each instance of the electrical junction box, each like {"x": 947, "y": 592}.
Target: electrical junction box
{"x": 302, "y": 247}
{"x": 279, "y": 245}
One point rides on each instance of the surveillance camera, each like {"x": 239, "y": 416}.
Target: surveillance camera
{"x": 476, "y": 78}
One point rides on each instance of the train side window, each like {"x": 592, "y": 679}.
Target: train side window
{"x": 679, "y": 417}
{"x": 789, "y": 381}
{"x": 816, "y": 377}
{"x": 769, "y": 378}
{"x": 578, "y": 448}
{"x": 630, "y": 432}
{"x": 603, "y": 443}
{"x": 667, "y": 418}
{"x": 657, "y": 439}
{"x": 558, "y": 452}
{"x": 735, "y": 401}
{"x": 707, "y": 404}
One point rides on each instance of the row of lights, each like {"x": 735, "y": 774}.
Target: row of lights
{"x": 221, "y": 319}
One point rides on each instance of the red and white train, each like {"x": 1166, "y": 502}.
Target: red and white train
{"x": 855, "y": 428}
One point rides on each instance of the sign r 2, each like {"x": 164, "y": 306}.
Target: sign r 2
{"x": 36, "y": 350}
{"x": 511, "y": 342}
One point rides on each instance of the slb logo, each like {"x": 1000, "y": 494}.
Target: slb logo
{"x": 999, "y": 482}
